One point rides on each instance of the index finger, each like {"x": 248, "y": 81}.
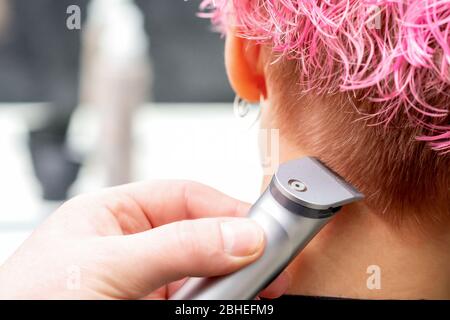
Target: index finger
{"x": 168, "y": 201}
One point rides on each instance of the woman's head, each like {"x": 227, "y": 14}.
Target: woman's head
{"x": 364, "y": 85}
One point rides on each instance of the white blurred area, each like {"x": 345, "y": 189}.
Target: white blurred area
{"x": 120, "y": 137}
{"x": 199, "y": 142}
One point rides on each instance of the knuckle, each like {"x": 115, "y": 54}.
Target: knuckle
{"x": 120, "y": 203}
{"x": 190, "y": 184}
{"x": 190, "y": 188}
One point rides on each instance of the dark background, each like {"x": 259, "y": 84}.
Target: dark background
{"x": 39, "y": 57}
{"x": 187, "y": 55}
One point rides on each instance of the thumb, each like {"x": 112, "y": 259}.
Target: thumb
{"x": 190, "y": 248}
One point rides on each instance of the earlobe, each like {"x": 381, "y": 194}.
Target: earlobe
{"x": 245, "y": 68}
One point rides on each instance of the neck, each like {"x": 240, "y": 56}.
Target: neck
{"x": 359, "y": 255}
{"x": 357, "y": 248}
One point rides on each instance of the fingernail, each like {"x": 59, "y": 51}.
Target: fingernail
{"x": 241, "y": 237}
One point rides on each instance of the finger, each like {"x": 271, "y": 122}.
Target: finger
{"x": 168, "y": 201}
{"x": 190, "y": 248}
{"x": 166, "y": 291}
{"x": 278, "y": 287}
{"x": 140, "y": 206}
{"x": 175, "y": 286}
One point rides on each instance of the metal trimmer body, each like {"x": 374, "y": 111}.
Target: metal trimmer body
{"x": 301, "y": 199}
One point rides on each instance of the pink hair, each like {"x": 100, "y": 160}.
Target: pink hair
{"x": 397, "y": 51}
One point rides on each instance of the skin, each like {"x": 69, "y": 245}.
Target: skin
{"x": 413, "y": 264}
{"x": 137, "y": 241}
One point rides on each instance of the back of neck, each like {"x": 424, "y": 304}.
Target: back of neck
{"x": 358, "y": 255}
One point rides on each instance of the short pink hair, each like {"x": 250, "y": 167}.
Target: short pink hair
{"x": 396, "y": 52}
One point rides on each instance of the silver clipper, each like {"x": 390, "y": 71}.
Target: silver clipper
{"x": 301, "y": 199}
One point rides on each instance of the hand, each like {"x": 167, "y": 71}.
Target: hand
{"x": 137, "y": 241}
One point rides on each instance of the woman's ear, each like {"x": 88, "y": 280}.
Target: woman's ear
{"x": 245, "y": 67}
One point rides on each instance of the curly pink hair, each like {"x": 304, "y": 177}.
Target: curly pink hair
{"x": 397, "y": 52}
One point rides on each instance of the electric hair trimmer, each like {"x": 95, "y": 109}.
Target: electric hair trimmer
{"x": 301, "y": 198}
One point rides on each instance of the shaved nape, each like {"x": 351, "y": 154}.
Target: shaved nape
{"x": 363, "y": 85}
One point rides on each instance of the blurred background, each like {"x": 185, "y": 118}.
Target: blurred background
{"x": 103, "y": 92}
